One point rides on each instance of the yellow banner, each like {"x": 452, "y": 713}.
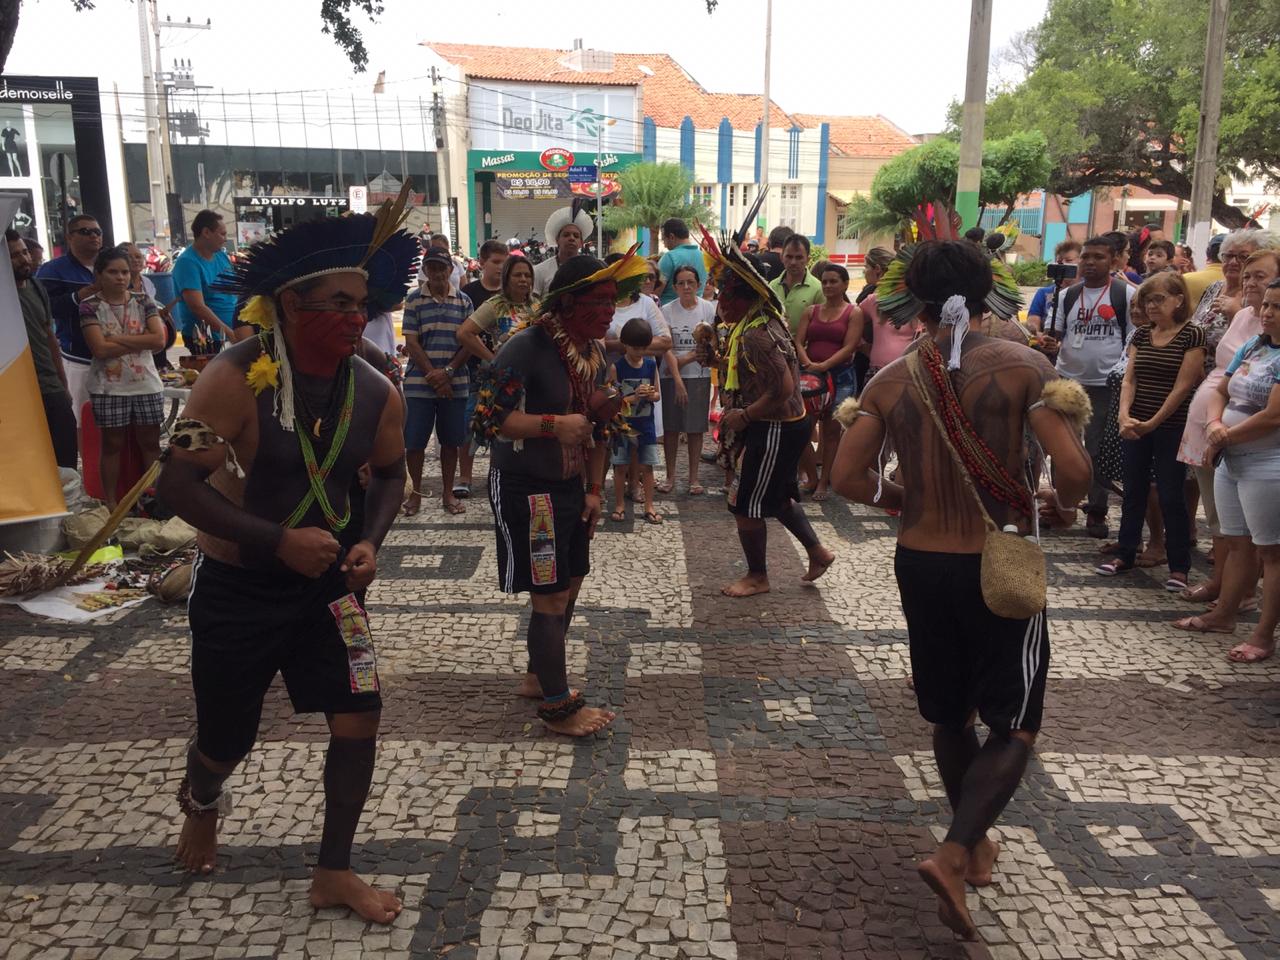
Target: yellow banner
{"x": 29, "y": 486}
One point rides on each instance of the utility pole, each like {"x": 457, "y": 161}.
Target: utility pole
{"x": 764, "y": 123}
{"x": 969, "y": 176}
{"x": 155, "y": 156}
{"x": 1205, "y": 177}
{"x": 439, "y": 123}
{"x": 162, "y": 82}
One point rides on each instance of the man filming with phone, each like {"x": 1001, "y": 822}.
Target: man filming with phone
{"x": 1062, "y": 273}
{"x": 1085, "y": 333}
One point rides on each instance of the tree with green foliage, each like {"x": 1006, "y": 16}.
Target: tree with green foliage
{"x": 335, "y": 20}
{"x": 1114, "y": 86}
{"x": 652, "y": 193}
{"x": 1011, "y": 167}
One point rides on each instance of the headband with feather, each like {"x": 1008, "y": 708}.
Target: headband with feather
{"x": 896, "y": 302}
{"x": 726, "y": 257}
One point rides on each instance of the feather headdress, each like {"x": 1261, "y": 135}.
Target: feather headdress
{"x": 726, "y": 257}
{"x": 896, "y": 302}
{"x": 628, "y": 273}
{"x": 372, "y": 245}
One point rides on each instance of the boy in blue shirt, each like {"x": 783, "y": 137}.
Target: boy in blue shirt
{"x": 637, "y": 378}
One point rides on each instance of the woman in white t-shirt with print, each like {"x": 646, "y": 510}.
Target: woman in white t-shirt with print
{"x": 686, "y": 384}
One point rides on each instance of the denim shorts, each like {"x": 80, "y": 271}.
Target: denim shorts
{"x": 620, "y": 456}
{"x": 846, "y": 381}
{"x": 448, "y": 417}
{"x": 1246, "y": 499}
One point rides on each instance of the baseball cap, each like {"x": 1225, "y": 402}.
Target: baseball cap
{"x": 436, "y": 255}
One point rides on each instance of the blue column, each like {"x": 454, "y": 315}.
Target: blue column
{"x": 824, "y": 147}
{"x": 686, "y": 144}
{"x": 793, "y": 153}
{"x": 650, "y": 142}
{"x": 724, "y": 165}
{"x": 724, "y": 203}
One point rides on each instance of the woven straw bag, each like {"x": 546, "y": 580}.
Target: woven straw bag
{"x": 1013, "y": 567}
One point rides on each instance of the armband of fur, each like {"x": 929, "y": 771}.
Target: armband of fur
{"x": 498, "y": 393}
{"x": 1069, "y": 399}
{"x": 197, "y": 436}
{"x": 847, "y": 412}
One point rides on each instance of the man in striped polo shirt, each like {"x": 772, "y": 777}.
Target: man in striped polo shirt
{"x": 435, "y": 384}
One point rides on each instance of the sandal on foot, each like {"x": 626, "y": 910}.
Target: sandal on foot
{"x": 1146, "y": 561}
{"x": 462, "y": 490}
{"x": 1249, "y": 653}
{"x": 1175, "y": 584}
{"x": 1113, "y": 568}
{"x": 1197, "y": 625}
{"x": 651, "y": 517}
{"x": 1250, "y": 605}
{"x": 820, "y": 495}
{"x": 1200, "y": 593}
{"x": 666, "y": 486}
{"x": 696, "y": 489}
{"x": 454, "y": 507}
{"x": 1109, "y": 549}
{"x": 618, "y": 516}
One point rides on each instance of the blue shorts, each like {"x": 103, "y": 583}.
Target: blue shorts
{"x": 622, "y": 450}
{"x": 447, "y": 417}
{"x": 846, "y": 382}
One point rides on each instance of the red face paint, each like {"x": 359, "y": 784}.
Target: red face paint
{"x": 324, "y": 338}
{"x": 591, "y": 314}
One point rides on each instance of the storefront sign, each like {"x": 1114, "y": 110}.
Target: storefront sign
{"x": 548, "y": 185}
{"x": 26, "y": 93}
{"x": 358, "y": 199}
{"x": 338, "y": 202}
{"x": 583, "y": 174}
{"x": 497, "y": 160}
{"x": 556, "y": 158}
{"x": 524, "y": 116}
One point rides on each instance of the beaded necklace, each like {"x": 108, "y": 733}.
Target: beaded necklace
{"x": 978, "y": 457}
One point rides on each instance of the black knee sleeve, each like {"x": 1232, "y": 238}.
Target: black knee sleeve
{"x": 348, "y": 771}
{"x": 546, "y": 652}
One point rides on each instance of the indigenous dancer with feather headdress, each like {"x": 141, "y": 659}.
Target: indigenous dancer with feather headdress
{"x": 765, "y": 428}
{"x": 261, "y": 465}
{"x": 957, "y": 410}
{"x": 543, "y": 410}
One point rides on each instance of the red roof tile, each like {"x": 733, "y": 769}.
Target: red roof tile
{"x": 670, "y": 93}
{"x": 862, "y": 136}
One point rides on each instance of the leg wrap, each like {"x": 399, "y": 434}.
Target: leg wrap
{"x": 987, "y": 787}
{"x": 546, "y": 653}
{"x": 348, "y": 770}
{"x": 955, "y": 751}
{"x": 201, "y": 788}
{"x": 792, "y": 517}
{"x": 754, "y": 543}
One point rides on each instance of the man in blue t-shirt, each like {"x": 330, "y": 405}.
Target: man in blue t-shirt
{"x": 681, "y": 252}
{"x": 204, "y": 315}
{"x": 68, "y": 279}
{"x": 1068, "y": 251}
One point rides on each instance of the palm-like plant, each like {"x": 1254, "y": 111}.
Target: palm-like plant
{"x": 867, "y": 217}
{"x": 652, "y": 193}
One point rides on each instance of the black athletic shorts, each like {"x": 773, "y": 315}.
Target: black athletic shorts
{"x": 248, "y": 625}
{"x": 765, "y": 480}
{"x": 964, "y": 657}
{"x": 542, "y": 541}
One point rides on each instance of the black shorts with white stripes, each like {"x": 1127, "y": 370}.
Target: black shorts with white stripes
{"x": 964, "y": 657}
{"x": 765, "y": 481}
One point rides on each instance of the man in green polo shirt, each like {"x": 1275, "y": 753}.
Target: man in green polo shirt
{"x": 797, "y": 288}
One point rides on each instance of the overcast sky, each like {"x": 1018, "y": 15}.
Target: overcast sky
{"x": 904, "y": 59}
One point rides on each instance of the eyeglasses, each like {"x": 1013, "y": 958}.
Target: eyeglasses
{"x": 88, "y": 231}
{"x": 1229, "y": 257}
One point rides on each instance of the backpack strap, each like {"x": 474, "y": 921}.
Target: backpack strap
{"x": 1119, "y": 293}
{"x": 1069, "y": 300}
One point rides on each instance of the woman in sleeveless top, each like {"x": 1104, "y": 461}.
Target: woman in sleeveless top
{"x": 826, "y": 339}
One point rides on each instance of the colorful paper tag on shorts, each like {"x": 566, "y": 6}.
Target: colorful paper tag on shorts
{"x": 353, "y": 626}
{"x": 542, "y": 539}
{"x": 733, "y": 490}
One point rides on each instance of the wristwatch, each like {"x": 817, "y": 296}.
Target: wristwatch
{"x": 451, "y": 372}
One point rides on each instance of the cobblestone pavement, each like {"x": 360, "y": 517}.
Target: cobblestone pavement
{"x": 763, "y": 794}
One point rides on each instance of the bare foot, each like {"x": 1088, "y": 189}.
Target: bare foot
{"x": 529, "y": 687}
{"x": 342, "y": 888}
{"x": 583, "y": 723}
{"x": 198, "y": 844}
{"x": 947, "y": 883}
{"x": 748, "y": 586}
{"x": 981, "y": 861}
{"x": 819, "y": 560}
